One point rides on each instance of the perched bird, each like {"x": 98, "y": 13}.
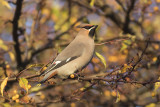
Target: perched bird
{"x": 75, "y": 56}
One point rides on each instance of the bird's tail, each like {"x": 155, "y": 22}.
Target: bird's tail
{"x": 48, "y": 76}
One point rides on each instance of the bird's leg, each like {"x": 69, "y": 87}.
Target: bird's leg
{"x": 77, "y": 76}
{"x": 80, "y": 73}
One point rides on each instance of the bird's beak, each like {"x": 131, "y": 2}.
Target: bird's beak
{"x": 95, "y": 26}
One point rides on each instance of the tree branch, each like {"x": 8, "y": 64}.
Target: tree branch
{"x": 126, "y": 28}
{"x": 15, "y": 34}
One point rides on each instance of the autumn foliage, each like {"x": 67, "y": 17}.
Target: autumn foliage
{"x": 124, "y": 71}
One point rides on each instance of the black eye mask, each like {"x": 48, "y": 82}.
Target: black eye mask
{"x": 87, "y": 27}
{"x": 91, "y": 29}
{"x": 92, "y": 32}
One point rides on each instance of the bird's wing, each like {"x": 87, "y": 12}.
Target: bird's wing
{"x": 49, "y": 72}
{"x": 72, "y": 50}
{"x": 57, "y": 64}
{"x": 70, "y": 53}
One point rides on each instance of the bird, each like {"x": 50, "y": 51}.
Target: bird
{"x": 75, "y": 56}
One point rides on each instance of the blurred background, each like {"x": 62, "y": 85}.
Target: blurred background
{"x": 127, "y": 40}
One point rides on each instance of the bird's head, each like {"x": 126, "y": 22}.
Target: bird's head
{"x": 88, "y": 28}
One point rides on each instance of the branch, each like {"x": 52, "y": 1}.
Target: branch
{"x": 126, "y": 28}
{"x": 15, "y": 79}
{"x": 15, "y": 33}
{"x": 112, "y": 40}
{"x": 118, "y": 1}
{"x": 139, "y": 60}
{"x": 149, "y": 41}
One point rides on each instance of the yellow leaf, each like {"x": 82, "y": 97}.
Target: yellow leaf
{"x": 3, "y": 84}
{"x": 6, "y": 105}
{"x": 157, "y": 85}
{"x": 118, "y": 97}
{"x": 38, "y": 85}
{"x": 92, "y": 3}
{"x": 5, "y": 3}
{"x": 125, "y": 67}
{"x": 101, "y": 58}
{"x": 35, "y": 65}
{"x": 3, "y": 46}
{"x": 11, "y": 56}
{"x": 151, "y": 105}
{"x": 29, "y": 86}
{"x": 125, "y": 44}
{"x": 23, "y": 83}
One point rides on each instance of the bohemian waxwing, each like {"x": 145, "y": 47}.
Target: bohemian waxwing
{"x": 75, "y": 56}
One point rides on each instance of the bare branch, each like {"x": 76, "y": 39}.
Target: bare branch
{"x": 16, "y": 35}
